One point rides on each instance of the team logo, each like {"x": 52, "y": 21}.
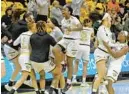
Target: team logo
{"x": 52, "y": 64}
{"x": 73, "y": 53}
{"x": 114, "y": 74}
{"x": 28, "y": 67}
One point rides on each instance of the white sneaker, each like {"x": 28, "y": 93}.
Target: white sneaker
{"x": 8, "y": 88}
{"x": 84, "y": 84}
{"x": 74, "y": 81}
{"x": 46, "y": 92}
{"x": 13, "y": 92}
{"x": 28, "y": 83}
{"x": 103, "y": 90}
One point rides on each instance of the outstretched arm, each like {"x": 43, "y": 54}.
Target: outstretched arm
{"x": 116, "y": 54}
{"x": 17, "y": 41}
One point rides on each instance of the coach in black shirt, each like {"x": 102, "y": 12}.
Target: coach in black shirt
{"x": 40, "y": 44}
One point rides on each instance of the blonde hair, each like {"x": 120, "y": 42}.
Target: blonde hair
{"x": 32, "y": 27}
{"x": 41, "y": 26}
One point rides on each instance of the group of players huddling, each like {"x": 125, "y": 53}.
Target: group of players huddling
{"x": 37, "y": 51}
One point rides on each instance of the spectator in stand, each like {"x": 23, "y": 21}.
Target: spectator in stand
{"x": 68, "y": 3}
{"x": 32, "y": 8}
{"x": 89, "y": 5}
{"x": 125, "y": 17}
{"x": 126, "y": 25}
{"x": 42, "y": 9}
{"x": 83, "y": 14}
{"x": 113, "y": 5}
{"x": 76, "y": 6}
{"x": 116, "y": 27}
{"x": 113, "y": 15}
{"x": 56, "y": 11}
{"x": 6, "y": 19}
{"x": 126, "y": 6}
{"x": 100, "y": 8}
{"x": 121, "y": 13}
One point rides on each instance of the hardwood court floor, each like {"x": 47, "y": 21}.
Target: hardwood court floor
{"x": 121, "y": 87}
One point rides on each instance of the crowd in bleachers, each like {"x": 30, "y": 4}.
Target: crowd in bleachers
{"x": 83, "y": 9}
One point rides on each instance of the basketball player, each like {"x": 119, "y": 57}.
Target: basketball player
{"x": 101, "y": 54}
{"x": 117, "y": 57}
{"x": 12, "y": 52}
{"x": 24, "y": 58}
{"x": 84, "y": 49}
{"x": 69, "y": 43}
{"x": 40, "y": 43}
{"x": 56, "y": 33}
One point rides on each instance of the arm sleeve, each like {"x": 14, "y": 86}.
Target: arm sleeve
{"x": 52, "y": 41}
{"x": 5, "y": 32}
{"x": 17, "y": 41}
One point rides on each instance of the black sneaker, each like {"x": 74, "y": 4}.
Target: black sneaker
{"x": 56, "y": 91}
{"x": 11, "y": 83}
{"x": 51, "y": 90}
{"x": 66, "y": 88}
{"x": 37, "y": 92}
{"x": 62, "y": 92}
{"x": 42, "y": 92}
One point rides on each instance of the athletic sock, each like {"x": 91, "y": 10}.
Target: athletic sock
{"x": 83, "y": 79}
{"x": 94, "y": 90}
{"x": 36, "y": 89}
{"x": 42, "y": 91}
{"x": 15, "y": 88}
{"x": 74, "y": 76}
{"x": 69, "y": 81}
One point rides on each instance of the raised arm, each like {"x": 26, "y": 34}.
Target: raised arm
{"x": 41, "y": 3}
{"x": 17, "y": 41}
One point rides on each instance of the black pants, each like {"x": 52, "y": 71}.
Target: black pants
{"x": 41, "y": 17}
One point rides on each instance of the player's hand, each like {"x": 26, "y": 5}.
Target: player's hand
{"x": 126, "y": 49}
{"x": 69, "y": 29}
{"x": 10, "y": 41}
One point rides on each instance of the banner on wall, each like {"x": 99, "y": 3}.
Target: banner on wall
{"x": 91, "y": 69}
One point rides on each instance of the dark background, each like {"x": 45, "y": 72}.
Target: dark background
{"x": 62, "y": 2}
